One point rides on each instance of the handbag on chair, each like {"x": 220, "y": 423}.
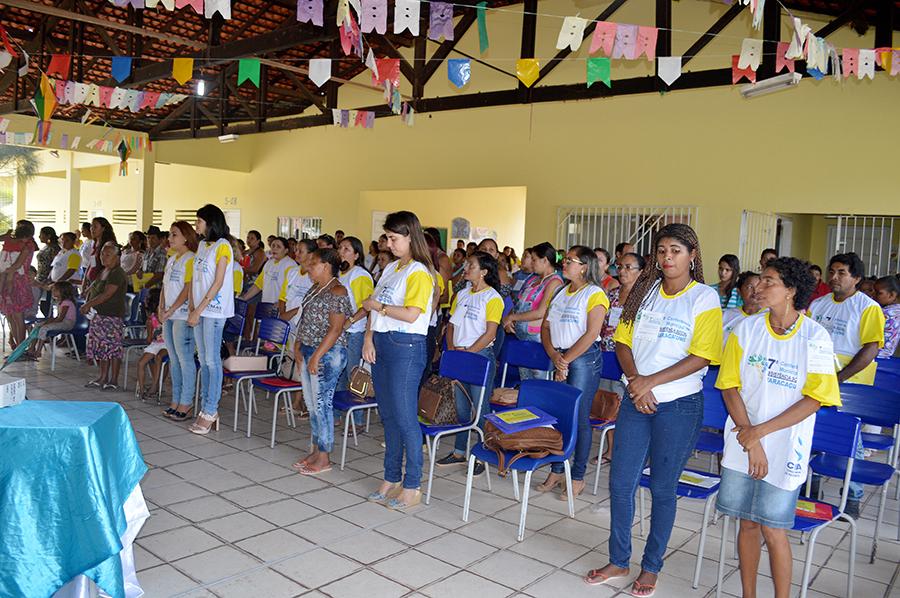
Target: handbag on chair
{"x": 437, "y": 401}
{"x": 361, "y": 386}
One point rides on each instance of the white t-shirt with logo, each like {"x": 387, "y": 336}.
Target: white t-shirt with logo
{"x": 731, "y": 317}
{"x": 411, "y": 285}
{"x": 271, "y": 279}
{"x": 772, "y": 372}
{"x": 668, "y": 328}
{"x": 359, "y": 286}
{"x": 64, "y": 261}
{"x": 179, "y": 272}
{"x": 207, "y": 256}
{"x": 852, "y": 323}
{"x": 470, "y": 312}
{"x": 294, "y": 288}
{"x": 568, "y": 312}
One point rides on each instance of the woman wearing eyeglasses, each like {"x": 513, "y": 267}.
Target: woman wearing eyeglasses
{"x": 569, "y": 334}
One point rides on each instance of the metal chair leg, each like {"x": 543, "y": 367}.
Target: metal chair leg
{"x": 468, "y": 497}
{"x": 704, "y": 526}
{"x": 720, "y": 575}
{"x": 347, "y": 417}
{"x": 515, "y": 481}
{"x": 641, "y": 512}
{"x": 599, "y": 461}
{"x": 526, "y": 489}
{"x": 569, "y": 497}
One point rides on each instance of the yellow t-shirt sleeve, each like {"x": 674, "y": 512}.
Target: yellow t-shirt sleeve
{"x": 823, "y": 388}
{"x": 598, "y": 298}
{"x": 362, "y": 288}
{"x": 707, "y": 340}
{"x": 189, "y": 270}
{"x": 453, "y": 305}
{"x": 261, "y": 279}
{"x": 494, "y": 310}
{"x": 238, "y": 281}
{"x": 223, "y": 251}
{"x": 74, "y": 262}
{"x": 419, "y": 287}
{"x": 730, "y": 371}
{"x": 624, "y": 333}
{"x": 282, "y": 296}
{"x": 871, "y": 326}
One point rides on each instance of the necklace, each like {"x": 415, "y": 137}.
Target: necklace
{"x": 311, "y": 296}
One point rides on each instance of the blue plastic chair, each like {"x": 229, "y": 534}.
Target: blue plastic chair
{"x": 712, "y": 439}
{"x": 521, "y": 354}
{"x": 271, "y": 330}
{"x": 346, "y": 401}
{"x": 610, "y": 370}
{"x": 835, "y": 436}
{"x": 467, "y": 368}
{"x": 79, "y": 329}
{"x": 891, "y": 364}
{"x": 263, "y": 311}
{"x": 240, "y": 307}
{"x": 556, "y": 399}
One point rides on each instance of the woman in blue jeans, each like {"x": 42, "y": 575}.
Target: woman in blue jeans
{"x": 399, "y": 311}
{"x": 669, "y": 332}
{"x": 569, "y": 334}
{"x": 211, "y": 304}
{"x": 173, "y": 313}
{"x": 474, "y": 317}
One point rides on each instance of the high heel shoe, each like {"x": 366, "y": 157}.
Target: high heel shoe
{"x": 401, "y": 505}
{"x": 390, "y": 493}
{"x": 553, "y": 480}
{"x": 205, "y": 423}
{"x": 180, "y": 416}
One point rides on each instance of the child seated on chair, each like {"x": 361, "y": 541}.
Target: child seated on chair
{"x": 64, "y": 320}
{"x": 155, "y": 350}
{"x": 36, "y": 292}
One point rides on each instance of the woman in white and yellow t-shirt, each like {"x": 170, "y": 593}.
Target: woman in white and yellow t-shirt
{"x": 271, "y": 279}
{"x": 296, "y": 283}
{"x": 569, "y": 334}
{"x": 359, "y": 285}
{"x": 778, "y": 369}
{"x": 399, "y": 310}
{"x": 670, "y": 330}
{"x": 211, "y": 303}
{"x": 746, "y": 288}
{"x": 475, "y": 313}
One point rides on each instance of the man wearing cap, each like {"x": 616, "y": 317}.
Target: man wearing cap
{"x": 154, "y": 257}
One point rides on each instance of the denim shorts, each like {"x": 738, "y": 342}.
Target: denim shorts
{"x": 756, "y": 500}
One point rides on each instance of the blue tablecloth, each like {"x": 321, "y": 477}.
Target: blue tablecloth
{"x": 66, "y": 469}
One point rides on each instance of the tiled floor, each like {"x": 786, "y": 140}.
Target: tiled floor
{"x": 230, "y": 518}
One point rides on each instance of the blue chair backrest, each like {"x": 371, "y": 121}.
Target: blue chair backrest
{"x": 240, "y": 307}
{"x": 891, "y": 364}
{"x": 557, "y": 399}
{"x": 507, "y": 305}
{"x": 835, "y": 433}
{"x": 469, "y": 368}
{"x": 714, "y": 411}
{"x": 872, "y": 405}
{"x": 266, "y": 310}
{"x": 611, "y": 369}
{"x": 525, "y": 354}
{"x": 131, "y": 305}
{"x": 274, "y": 330}
{"x": 887, "y": 379}
{"x": 709, "y": 380}
{"x": 234, "y": 325}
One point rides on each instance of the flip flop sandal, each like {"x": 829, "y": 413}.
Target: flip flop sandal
{"x": 642, "y": 587}
{"x": 307, "y": 471}
{"x": 594, "y": 574}
{"x": 93, "y": 384}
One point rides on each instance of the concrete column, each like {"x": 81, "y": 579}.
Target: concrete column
{"x": 19, "y": 189}
{"x": 73, "y": 194}
{"x": 145, "y": 205}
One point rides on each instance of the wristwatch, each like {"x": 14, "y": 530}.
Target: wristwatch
{"x": 383, "y": 309}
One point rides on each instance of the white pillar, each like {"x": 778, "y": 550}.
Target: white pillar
{"x": 73, "y": 195}
{"x": 145, "y": 206}
{"x": 19, "y": 189}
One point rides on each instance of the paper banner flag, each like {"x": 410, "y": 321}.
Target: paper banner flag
{"x": 23, "y": 70}
{"x": 75, "y": 142}
{"x": 816, "y": 55}
{"x": 59, "y": 88}
{"x": 343, "y": 12}
{"x": 197, "y": 5}
{"x": 646, "y": 42}
{"x": 163, "y": 100}
{"x": 248, "y": 70}
{"x": 780, "y": 61}
{"x": 360, "y": 119}
{"x": 223, "y": 7}
{"x": 604, "y": 37}
{"x": 336, "y": 117}
{"x": 349, "y": 33}
{"x": 396, "y": 101}
{"x": 117, "y": 98}
{"x": 866, "y": 64}
{"x": 93, "y": 97}
{"x": 182, "y": 69}
{"x": 167, "y": 4}
{"x": 571, "y": 34}
{"x": 406, "y": 16}
{"x": 345, "y": 118}
{"x": 798, "y": 39}
{"x": 737, "y": 72}
{"x": 388, "y": 69}
{"x": 121, "y": 68}
{"x": 105, "y": 96}
{"x": 372, "y": 65}
{"x": 598, "y": 69}
{"x": 850, "y": 61}
{"x": 64, "y": 142}
{"x": 310, "y": 11}
{"x": 4, "y": 124}
{"x": 5, "y": 59}
{"x": 79, "y": 93}
{"x": 408, "y": 115}
{"x": 757, "y": 9}
{"x": 45, "y": 106}
{"x": 815, "y": 74}
{"x": 149, "y": 100}
{"x": 59, "y": 65}
{"x": 440, "y": 21}
{"x": 483, "y": 42}
{"x": 528, "y": 70}
{"x": 459, "y": 70}
{"x": 668, "y": 68}
{"x": 895, "y": 63}
{"x": 374, "y": 16}
{"x": 8, "y": 46}
{"x": 134, "y": 99}
{"x": 751, "y": 54}
{"x": 370, "y": 120}
{"x": 320, "y": 71}
{"x": 626, "y": 41}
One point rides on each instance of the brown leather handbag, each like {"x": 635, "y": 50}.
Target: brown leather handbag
{"x": 437, "y": 401}
{"x": 605, "y": 405}
{"x": 536, "y": 443}
{"x": 361, "y": 386}
{"x": 505, "y": 396}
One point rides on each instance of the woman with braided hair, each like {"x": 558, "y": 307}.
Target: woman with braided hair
{"x": 669, "y": 332}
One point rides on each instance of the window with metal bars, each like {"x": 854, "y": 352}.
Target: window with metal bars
{"x": 607, "y": 226}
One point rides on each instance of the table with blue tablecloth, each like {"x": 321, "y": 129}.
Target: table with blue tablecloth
{"x": 70, "y": 500}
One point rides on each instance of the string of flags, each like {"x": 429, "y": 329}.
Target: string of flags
{"x": 107, "y": 143}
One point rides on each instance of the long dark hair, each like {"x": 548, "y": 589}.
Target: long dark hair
{"x": 25, "y": 230}
{"x": 407, "y": 224}
{"x": 107, "y": 236}
{"x": 544, "y": 250}
{"x": 735, "y": 264}
{"x": 487, "y": 262}
{"x": 592, "y": 265}
{"x": 51, "y": 234}
{"x": 216, "y": 227}
{"x": 357, "y": 247}
{"x": 651, "y": 276}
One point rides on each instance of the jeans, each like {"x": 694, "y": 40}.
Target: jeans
{"x": 667, "y": 437}
{"x": 208, "y": 334}
{"x": 318, "y": 393}
{"x": 354, "y": 356}
{"x": 179, "y": 339}
{"x": 584, "y": 374}
{"x": 464, "y": 408}
{"x": 399, "y": 363}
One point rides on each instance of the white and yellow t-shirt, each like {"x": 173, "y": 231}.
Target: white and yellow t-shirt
{"x": 411, "y": 285}
{"x": 205, "y": 261}
{"x": 439, "y": 280}
{"x": 294, "y": 288}
{"x": 271, "y": 279}
{"x": 237, "y": 272}
{"x": 568, "y": 313}
{"x": 470, "y": 312}
{"x": 179, "y": 272}
{"x": 668, "y": 328}
{"x": 731, "y": 317}
{"x": 64, "y": 261}
{"x": 359, "y": 286}
{"x": 772, "y": 372}
{"x": 852, "y": 323}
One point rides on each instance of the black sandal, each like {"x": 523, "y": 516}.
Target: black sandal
{"x": 169, "y": 412}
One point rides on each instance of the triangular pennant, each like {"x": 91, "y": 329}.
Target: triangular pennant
{"x": 59, "y": 65}
{"x": 121, "y": 68}
{"x": 571, "y": 34}
{"x": 737, "y": 72}
{"x": 406, "y": 16}
{"x": 483, "y": 42}
{"x": 23, "y": 70}
{"x": 388, "y": 70}
{"x": 459, "y": 70}
{"x": 182, "y": 69}
{"x": 320, "y": 71}
{"x": 248, "y": 70}
{"x": 310, "y": 11}
{"x": 528, "y": 70}
{"x": 211, "y": 7}
{"x": 668, "y": 68}
{"x": 598, "y": 69}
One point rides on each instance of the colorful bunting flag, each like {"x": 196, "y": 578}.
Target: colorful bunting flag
{"x": 406, "y": 16}
{"x": 866, "y": 64}
{"x": 598, "y": 69}
{"x": 197, "y": 5}
{"x": 781, "y": 62}
{"x": 850, "y": 61}
{"x": 320, "y": 71}
{"x": 459, "y": 70}
{"x": 528, "y": 70}
{"x": 23, "y": 70}
{"x": 387, "y": 69}
{"x": 167, "y": 4}
{"x": 349, "y": 33}
{"x": 182, "y": 69}
{"x": 223, "y": 7}
{"x": 571, "y": 34}
{"x": 121, "y": 68}
{"x": 646, "y": 42}
{"x": 895, "y": 63}
{"x": 45, "y": 106}
{"x": 373, "y": 17}
{"x": 626, "y": 41}
{"x": 5, "y": 37}
{"x": 668, "y": 68}
{"x": 483, "y": 42}
{"x": 604, "y": 37}
{"x": 799, "y": 35}
{"x": 248, "y": 70}
{"x": 440, "y": 21}
{"x": 737, "y": 72}
{"x": 59, "y": 66}
{"x": 5, "y": 59}
{"x": 310, "y": 11}
{"x": 751, "y": 54}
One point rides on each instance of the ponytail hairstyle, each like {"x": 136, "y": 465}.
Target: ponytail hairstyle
{"x": 407, "y": 224}
{"x": 735, "y": 265}
{"x": 651, "y": 276}
{"x": 544, "y": 250}
{"x": 357, "y": 246}
{"x": 487, "y": 262}
{"x": 589, "y": 259}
